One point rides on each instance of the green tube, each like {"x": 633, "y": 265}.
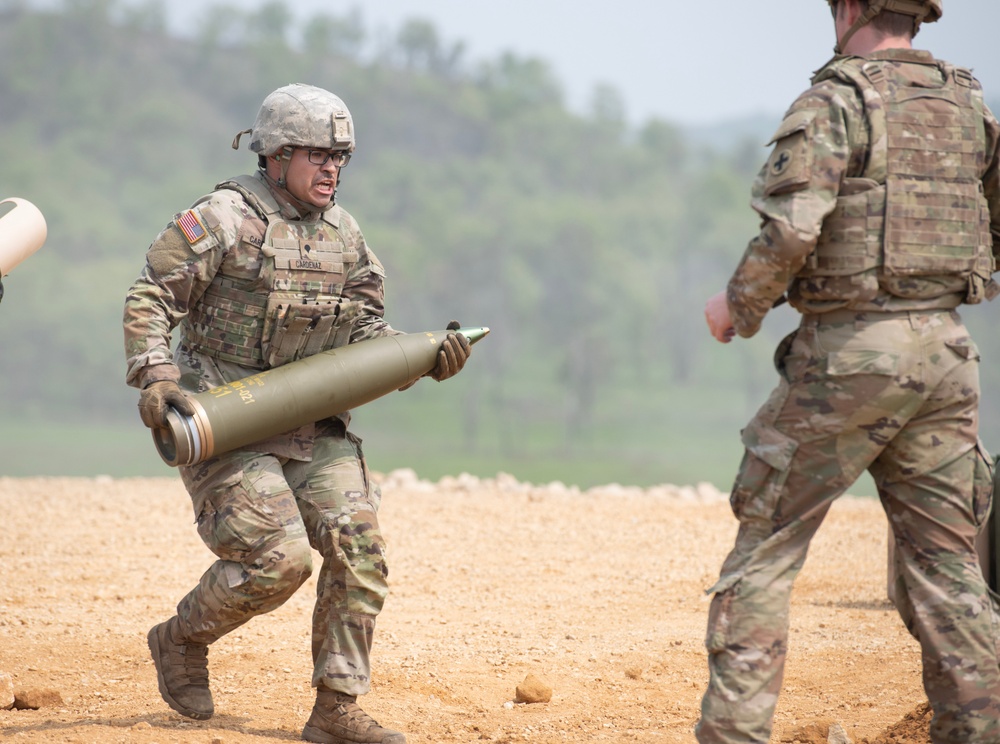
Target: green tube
{"x": 286, "y": 397}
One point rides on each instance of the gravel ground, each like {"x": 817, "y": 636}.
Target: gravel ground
{"x": 599, "y": 594}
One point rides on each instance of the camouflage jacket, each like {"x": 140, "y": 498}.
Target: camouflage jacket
{"x": 220, "y": 242}
{"x": 822, "y": 142}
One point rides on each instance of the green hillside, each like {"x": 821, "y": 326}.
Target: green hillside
{"x": 588, "y": 246}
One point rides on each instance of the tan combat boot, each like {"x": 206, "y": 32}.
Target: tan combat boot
{"x": 338, "y": 719}
{"x": 182, "y": 672}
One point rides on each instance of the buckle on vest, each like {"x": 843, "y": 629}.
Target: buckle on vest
{"x": 873, "y": 71}
{"x": 964, "y": 78}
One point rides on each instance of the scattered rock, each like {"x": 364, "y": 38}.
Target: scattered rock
{"x": 708, "y": 493}
{"x": 838, "y": 735}
{"x": 6, "y": 691}
{"x": 615, "y": 491}
{"x": 507, "y": 482}
{"x": 36, "y": 699}
{"x": 915, "y": 728}
{"x": 406, "y": 479}
{"x": 533, "y": 690}
{"x": 142, "y": 726}
{"x": 818, "y": 732}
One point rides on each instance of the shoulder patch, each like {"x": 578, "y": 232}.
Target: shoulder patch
{"x": 375, "y": 266}
{"x": 788, "y": 168}
{"x": 190, "y": 224}
{"x": 795, "y": 122}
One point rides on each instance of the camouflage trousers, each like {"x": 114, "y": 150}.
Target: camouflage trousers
{"x": 896, "y": 394}
{"x": 260, "y": 514}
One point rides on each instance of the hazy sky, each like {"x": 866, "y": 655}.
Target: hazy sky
{"x": 690, "y": 62}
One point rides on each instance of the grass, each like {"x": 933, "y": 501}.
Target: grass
{"x": 536, "y": 454}
{"x": 633, "y": 437}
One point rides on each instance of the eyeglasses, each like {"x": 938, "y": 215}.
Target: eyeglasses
{"x": 340, "y": 158}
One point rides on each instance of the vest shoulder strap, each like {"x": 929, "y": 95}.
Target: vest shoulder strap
{"x": 257, "y": 195}
{"x": 854, "y": 71}
{"x": 869, "y": 80}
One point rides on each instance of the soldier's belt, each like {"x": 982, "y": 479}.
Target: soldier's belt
{"x": 865, "y": 316}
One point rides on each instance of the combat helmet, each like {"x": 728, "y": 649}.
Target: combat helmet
{"x": 923, "y": 11}
{"x": 300, "y": 115}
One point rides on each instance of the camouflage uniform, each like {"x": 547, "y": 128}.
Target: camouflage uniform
{"x": 880, "y": 204}
{"x": 253, "y": 282}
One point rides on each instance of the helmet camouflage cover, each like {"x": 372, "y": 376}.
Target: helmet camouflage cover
{"x": 925, "y": 11}
{"x": 300, "y": 115}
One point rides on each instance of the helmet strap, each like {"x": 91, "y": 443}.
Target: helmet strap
{"x": 906, "y": 7}
{"x": 236, "y": 139}
{"x": 873, "y": 10}
{"x": 292, "y": 206}
{"x": 285, "y": 160}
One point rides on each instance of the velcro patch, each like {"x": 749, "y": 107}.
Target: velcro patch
{"x": 191, "y": 226}
{"x": 790, "y": 165}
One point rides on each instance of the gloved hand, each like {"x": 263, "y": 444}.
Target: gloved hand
{"x": 156, "y": 397}
{"x": 453, "y": 355}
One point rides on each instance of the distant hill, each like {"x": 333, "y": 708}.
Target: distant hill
{"x": 588, "y": 249}
{"x": 725, "y": 135}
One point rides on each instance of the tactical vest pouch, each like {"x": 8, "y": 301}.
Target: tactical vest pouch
{"x": 851, "y": 241}
{"x": 296, "y": 330}
{"x": 226, "y": 323}
{"x": 981, "y": 283}
{"x": 844, "y": 263}
{"x": 950, "y": 214}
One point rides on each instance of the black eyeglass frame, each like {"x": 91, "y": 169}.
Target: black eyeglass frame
{"x": 320, "y": 157}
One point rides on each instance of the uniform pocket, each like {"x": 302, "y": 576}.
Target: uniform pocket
{"x": 719, "y": 620}
{"x": 799, "y": 356}
{"x": 763, "y": 472}
{"x": 984, "y": 485}
{"x": 237, "y": 524}
{"x": 294, "y": 330}
{"x": 964, "y": 348}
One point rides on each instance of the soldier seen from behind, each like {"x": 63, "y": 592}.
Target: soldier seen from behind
{"x": 264, "y": 270}
{"x": 880, "y": 209}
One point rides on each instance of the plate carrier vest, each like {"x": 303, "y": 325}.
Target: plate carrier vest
{"x": 294, "y": 308}
{"x": 918, "y": 210}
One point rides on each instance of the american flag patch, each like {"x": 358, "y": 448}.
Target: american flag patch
{"x": 191, "y": 226}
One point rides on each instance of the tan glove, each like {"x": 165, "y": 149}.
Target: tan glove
{"x": 453, "y": 355}
{"x": 156, "y": 398}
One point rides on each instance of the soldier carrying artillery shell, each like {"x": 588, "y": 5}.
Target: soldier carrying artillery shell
{"x": 265, "y": 270}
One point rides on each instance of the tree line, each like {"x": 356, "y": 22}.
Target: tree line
{"x": 587, "y": 244}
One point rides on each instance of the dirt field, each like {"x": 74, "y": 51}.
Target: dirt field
{"x": 599, "y": 593}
